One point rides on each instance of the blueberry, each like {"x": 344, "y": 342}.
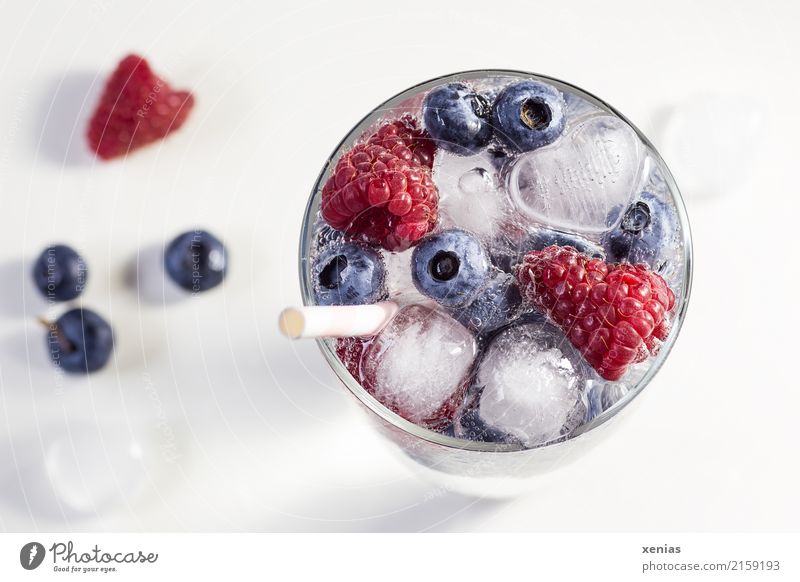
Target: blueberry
{"x": 450, "y": 267}
{"x": 601, "y": 397}
{"x": 507, "y": 253}
{"x": 496, "y": 304}
{"x": 647, "y": 229}
{"x": 349, "y": 274}
{"x": 528, "y": 115}
{"x": 196, "y": 260}
{"x": 60, "y": 273}
{"x": 543, "y": 238}
{"x": 457, "y": 118}
{"x": 471, "y": 426}
{"x": 449, "y": 430}
{"x": 80, "y": 341}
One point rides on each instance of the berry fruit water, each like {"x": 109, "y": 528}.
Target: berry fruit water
{"x": 534, "y": 241}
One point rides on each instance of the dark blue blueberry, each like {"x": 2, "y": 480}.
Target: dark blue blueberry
{"x": 349, "y": 274}
{"x": 60, "y": 273}
{"x": 507, "y": 253}
{"x": 528, "y": 115}
{"x": 196, "y": 260}
{"x": 449, "y": 430}
{"x": 543, "y": 238}
{"x": 450, "y": 267}
{"x": 496, "y": 305}
{"x": 647, "y": 230}
{"x": 471, "y": 426}
{"x": 603, "y": 396}
{"x": 457, "y": 118}
{"x": 80, "y": 341}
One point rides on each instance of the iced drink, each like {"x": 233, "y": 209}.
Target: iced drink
{"x": 534, "y": 245}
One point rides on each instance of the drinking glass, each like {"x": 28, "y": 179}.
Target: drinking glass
{"x": 472, "y": 467}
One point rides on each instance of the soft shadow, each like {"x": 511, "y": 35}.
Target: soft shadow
{"x": 26, "y": 487}
{"x": 302, "y": 392}
{"x": 19, "y": 297}
{"x": 25, "y": 349}
{"x": 145, "y": 274}
{"x": 82, "y": 470}
{"x": 66, "y": 106}
{"x": 406, "y": 506}
{"x": 659, "y": 121}
{"x": 296, "y": 390}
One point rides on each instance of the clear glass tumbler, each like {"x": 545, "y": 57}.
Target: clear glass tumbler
{"x": 482, "y": 468}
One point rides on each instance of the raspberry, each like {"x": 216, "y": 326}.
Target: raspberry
{"x": 615, "y": 314}
{"x": 382, "y": 195}
{"x": 350, "y": 350}
{"x": 406, "y": 131}
{"x": 137, "y": 108}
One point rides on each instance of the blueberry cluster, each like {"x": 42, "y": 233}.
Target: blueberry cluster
{"x": 524, "y": 116}
{"x": 81, "y": 340}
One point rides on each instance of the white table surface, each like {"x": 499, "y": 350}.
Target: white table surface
{"x": 252, "y": 432}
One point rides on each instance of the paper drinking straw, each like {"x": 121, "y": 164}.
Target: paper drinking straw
{"x": 335, "y": 320}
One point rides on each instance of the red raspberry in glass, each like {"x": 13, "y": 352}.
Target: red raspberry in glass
{"x": 350, "y": 350}
{"x": 615, "y": 314}
{"x": 379, "y": 193}
{"x": 406, "y": 130}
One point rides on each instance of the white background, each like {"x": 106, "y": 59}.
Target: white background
{"x": 241, "y": 430}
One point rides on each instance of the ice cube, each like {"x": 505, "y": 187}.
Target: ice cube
{"x": 574, "y": 183}
{"x": 472, "y": 195}
{"x": 418, "y": 365}
{"x": 533, "y": 384}
{"x": 578, "y": 108}
{"x": 476, "y": 182}
{"x": 469, "y": 425}
{"x": 399, "y": 283}
{"x": 326, "y": 236}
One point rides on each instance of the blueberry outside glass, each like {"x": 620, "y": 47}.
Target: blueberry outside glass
{"x": 528, "y": 221}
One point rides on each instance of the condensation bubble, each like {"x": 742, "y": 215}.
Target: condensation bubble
{"x": 476, "y": 181}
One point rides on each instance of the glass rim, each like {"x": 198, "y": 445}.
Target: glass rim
{"x": 452, "y": 442}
